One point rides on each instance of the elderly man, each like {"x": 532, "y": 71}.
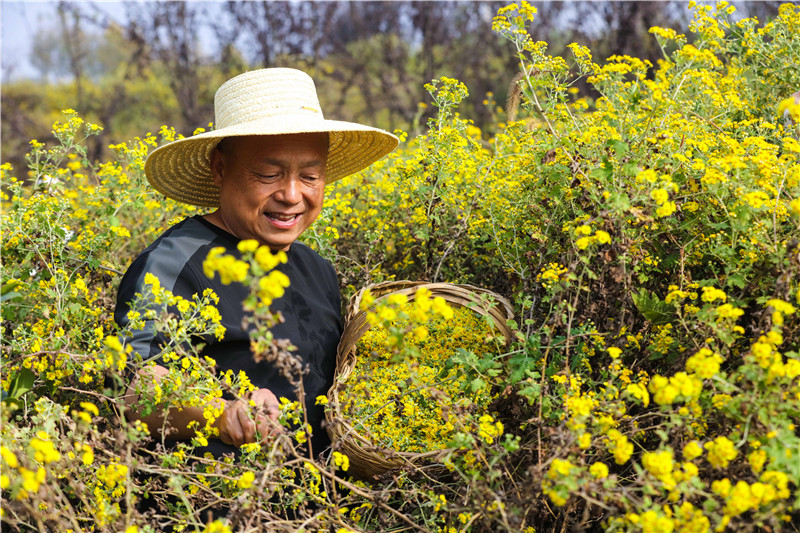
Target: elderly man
{"x": 264, "y": 168}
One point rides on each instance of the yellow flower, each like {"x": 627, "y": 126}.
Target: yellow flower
{"x": 648, "y": 175}
{"x": 90, "y": 408}
{"x": 229, "y": 268}
{"x": 321, "y": 400}
{"x": 152, "y": 280}
{"x": 721, "y": 487}
{"x": 711, "y": 294}
{"x": 664, "y": 393}
{"x": 659, "y": 196}
{"x": 780, "y": 308}
{"x": 31, "y": 481}
{"x": 666, "y": 209}
{"x": 602, "y": 237}
{"x": 704, "y": 363}
{"x": 619, "y": 446}
{"x": 247, "y": 245}
{"x": 366, "y": 300}
{"x": 8, "y": 456}
{"x": 559, "y": 468}
{"x": 637, "y": 390}
{"x": 245, "y": 481}
{"x": 267, "y": 260}
{"x": 729, "y": 311}
{"x": 692, "y": 450}
{"x": 599, "y": 470}
{"x": 217, "y": 526}
{"x": 757, "y": 458}
{"x": 653, "y": 522}
{"x": 489, "y": 429}
{"x": 721, "y": 451}
{"x": 441, "y": 308}
{"x": 341, "y": 461}
{"x": 45, "y": 451}
{"x": 420, "y": 333}
{"x": 794, "y": 206}
{"x": 660, "y": 465}
{"x": 87, "y": 457}
{"x": 691, "y": 520}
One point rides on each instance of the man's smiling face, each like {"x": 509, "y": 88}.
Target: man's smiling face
{"x": 271, "y": 187}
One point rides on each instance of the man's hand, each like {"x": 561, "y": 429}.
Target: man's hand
{"x": 240, "y": 422}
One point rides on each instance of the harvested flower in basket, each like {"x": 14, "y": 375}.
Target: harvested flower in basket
{"x": 422, "y": 368}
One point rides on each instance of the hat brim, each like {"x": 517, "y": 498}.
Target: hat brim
{"x": 181, "y": 170}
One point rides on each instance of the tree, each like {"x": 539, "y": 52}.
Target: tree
{"x": 166, "y": 37}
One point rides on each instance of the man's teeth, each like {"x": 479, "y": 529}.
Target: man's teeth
{"x": 278, "y": 216}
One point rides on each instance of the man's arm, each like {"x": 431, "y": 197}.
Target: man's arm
{"x": 234, "y": 424}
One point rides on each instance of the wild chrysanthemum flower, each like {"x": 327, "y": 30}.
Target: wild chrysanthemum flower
{"x": 721, "y": 451}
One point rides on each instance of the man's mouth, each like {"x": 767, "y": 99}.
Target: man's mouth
{"x": 282, "y": 219}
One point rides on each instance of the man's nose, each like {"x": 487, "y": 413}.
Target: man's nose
{"x": 289, "y": 192}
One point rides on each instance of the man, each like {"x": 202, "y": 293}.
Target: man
{"x": 264, "y": 168}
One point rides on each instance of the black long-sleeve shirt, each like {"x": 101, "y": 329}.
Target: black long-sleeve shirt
{"x": 311, "y": 309}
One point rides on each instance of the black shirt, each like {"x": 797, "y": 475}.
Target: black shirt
{"x": 311, "y": 309}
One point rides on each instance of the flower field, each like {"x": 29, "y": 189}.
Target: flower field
{"x": 647, "y": 235}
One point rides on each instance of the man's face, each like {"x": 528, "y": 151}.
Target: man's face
{"x": 271, "y": 187}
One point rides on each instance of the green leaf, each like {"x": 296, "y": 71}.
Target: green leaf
{"x": 531, "y": 392}
{"x": 19, "y": 385}
{"x": 9, "y": 286}
{"x": 602, "y": 173}
{"x": 653, "y": 309}
{"x": 737, "y": 279}
{"x": 620, "y": 202}
{"x": 10, "y": 296}
{"x": 621, "y": 148}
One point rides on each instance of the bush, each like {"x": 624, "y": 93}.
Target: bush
{"x": 648, "y": 239}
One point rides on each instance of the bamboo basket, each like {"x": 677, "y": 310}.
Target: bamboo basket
{"x": 366, "y": 459}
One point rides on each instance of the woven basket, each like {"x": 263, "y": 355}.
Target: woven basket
{"x": 366, "y": 459}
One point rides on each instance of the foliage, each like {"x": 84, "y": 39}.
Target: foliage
{"x": 648, "y": 239}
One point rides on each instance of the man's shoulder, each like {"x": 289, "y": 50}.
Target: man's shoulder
{"x": 303, "y": 258}
{"x": 304, "y": 250}
{"x": 303, "y": 253}
{"x": 184, "y": 244}
{"x": 186, "y": 236}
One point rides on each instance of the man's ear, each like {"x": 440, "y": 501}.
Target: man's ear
{"x": 217, "y": 165}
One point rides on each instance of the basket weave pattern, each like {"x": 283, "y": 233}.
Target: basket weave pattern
{"x": 366, "y": 459}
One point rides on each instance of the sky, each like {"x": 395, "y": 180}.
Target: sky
{"x": 19, "y": 22}
{"x": 17, "y": 28}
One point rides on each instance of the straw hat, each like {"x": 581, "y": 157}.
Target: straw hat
{"x": 272, "y": 101}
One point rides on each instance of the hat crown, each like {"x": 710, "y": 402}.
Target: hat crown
{"x": 265, "y": 94}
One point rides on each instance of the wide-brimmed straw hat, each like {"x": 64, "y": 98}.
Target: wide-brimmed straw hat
{"x": 272, "y": 101}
